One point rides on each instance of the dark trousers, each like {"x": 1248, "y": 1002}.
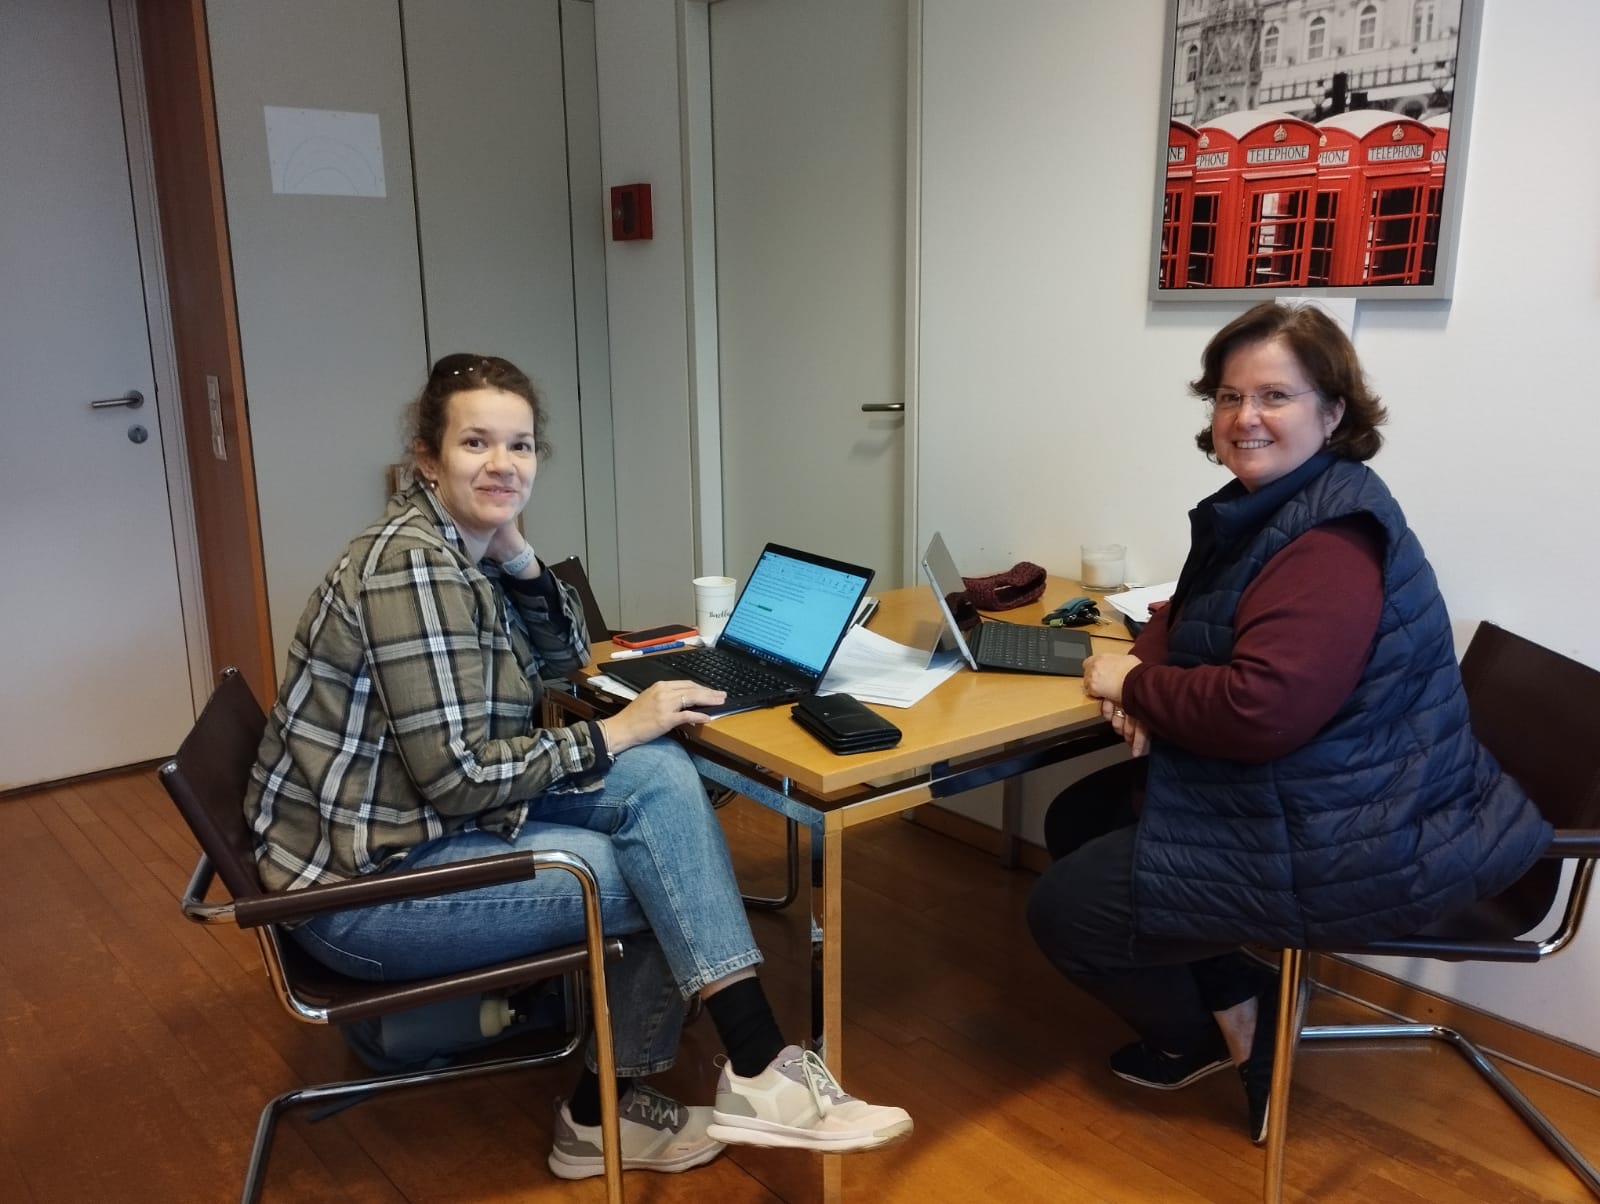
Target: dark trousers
{"x": 1082, "y": 915}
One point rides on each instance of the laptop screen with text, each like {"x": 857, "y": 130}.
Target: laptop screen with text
{"x": 795, "y": 609}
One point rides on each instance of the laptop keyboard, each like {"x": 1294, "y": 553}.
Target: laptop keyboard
{"x": 737, "y": 678}
{"x": 1018, "y": 644}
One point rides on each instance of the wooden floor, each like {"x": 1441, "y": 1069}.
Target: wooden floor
{"x": 136, "y": 1050}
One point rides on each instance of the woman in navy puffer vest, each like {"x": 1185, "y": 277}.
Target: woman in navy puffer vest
{"x": 1304, "y": 772}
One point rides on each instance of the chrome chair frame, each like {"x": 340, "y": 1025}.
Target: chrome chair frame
{"x": 205, "y": 779}
{"x": 1498, "y": 670}
{"x": 1291, "y": 1028}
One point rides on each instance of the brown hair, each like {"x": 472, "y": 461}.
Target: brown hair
{"x": 427, "y": 416}
{"x": 1328, "y": 358}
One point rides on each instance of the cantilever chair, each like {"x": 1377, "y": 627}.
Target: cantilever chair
{"x": 572, "y": 572}
{"x": 207, "y": 780}
{"x": 1538, "y": 712}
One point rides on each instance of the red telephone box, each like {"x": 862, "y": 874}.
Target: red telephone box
{"x": 1381, "y": 240}
{"x": 1440, "y": 125}
{"x": 1274, "y": 169}
{"x": 1176, "y": 208}
{"x": 1338, "y": 195}
{"x": 1213, "y": 260}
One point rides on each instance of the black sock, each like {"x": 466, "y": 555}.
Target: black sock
{"x": 746, "y": 1025}
{"x": 584, "y": 1103}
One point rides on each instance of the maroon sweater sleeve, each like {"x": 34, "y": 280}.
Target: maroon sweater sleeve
{"x": 1302, "y": 635}
{"x": 1150, "y": 645}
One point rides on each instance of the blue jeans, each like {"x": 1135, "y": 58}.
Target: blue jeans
{"x": 666, "y": 888}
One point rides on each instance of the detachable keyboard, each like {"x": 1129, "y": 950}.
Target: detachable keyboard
{"x": 1016, "y": 645}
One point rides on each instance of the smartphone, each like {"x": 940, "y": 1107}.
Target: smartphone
{"x": 650, "y": 636}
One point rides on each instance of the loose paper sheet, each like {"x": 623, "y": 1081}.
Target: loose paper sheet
{"x": 1135, "y": 603}
{"x": 875, "y": 669}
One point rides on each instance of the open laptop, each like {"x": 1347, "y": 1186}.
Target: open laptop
{"x": 991, "y": 643}
{"x": 787, "y": 623}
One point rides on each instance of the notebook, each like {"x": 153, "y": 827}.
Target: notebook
{"x": 991, "y": 643}
{"x": 785, "y": 627}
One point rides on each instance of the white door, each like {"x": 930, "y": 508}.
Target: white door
{"x": 808, "y": 127}
{"x": 94, "y": 672}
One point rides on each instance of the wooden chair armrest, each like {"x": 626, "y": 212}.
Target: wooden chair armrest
{"x": 290, "y": 906}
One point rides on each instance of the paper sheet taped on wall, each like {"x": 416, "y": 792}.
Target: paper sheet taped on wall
{"x": 322, "y": 152}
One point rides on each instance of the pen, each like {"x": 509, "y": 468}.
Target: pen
{"x": 627, "y": 654}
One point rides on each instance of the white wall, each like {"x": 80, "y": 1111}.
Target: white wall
{"x": 340, "y": 314}
{"x": 494, "y": 221}
{"x": 647, "y": 282}
{"x": 1037, "y": 187}
{"x": 328, "y": 287}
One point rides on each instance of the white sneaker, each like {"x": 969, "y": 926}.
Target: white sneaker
{"x": 796, "y": 1104}
{"x": 658, "y": 1134}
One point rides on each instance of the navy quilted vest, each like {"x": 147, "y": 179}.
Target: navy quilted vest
{"x": 1389, "y": 817}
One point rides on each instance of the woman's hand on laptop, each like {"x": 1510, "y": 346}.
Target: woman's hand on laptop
{"x": 659, "y": 709}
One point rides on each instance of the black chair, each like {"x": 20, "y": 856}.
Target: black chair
{"x": 572, "y": 572}
{"x": 207, "y": 780}
{"x": 1539, "y": 713}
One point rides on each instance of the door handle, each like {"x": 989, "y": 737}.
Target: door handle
{"x": 132, "y": 400}
{"x": 883, "y": 407}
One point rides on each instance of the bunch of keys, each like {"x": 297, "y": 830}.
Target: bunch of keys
{"x": 1074, "y": 612}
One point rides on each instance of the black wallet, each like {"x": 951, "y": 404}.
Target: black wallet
{"x": 844, "y": 724}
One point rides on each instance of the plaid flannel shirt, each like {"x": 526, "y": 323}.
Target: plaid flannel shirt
{"x": 409, "y": 706}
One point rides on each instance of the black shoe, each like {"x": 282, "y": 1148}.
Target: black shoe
{"x": 1148, "y": 1067}
{"x": 1256, "y": 1071}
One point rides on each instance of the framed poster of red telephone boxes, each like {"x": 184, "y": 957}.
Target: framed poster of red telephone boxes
{"x": 1312, "y": 147}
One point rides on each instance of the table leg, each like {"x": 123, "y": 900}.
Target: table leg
{"x": 1010, "y": 823}
{"x": 815, "y": 846}
{"x": 832, "y": 978}
{"x": 833, "y": 1178}
{"x": 832, "y": 938}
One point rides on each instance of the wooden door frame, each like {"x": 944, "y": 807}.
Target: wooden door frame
{"x": 165, "y": 61}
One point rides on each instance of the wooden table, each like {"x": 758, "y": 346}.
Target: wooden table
{"x": 975, "y": 728}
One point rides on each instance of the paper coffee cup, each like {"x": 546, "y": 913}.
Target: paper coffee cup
{"x": 713, "y": 603}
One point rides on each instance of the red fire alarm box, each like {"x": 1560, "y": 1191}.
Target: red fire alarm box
{"x": 630, "y": 212}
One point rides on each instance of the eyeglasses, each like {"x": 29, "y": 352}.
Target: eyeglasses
{"x": 458, "y": 364}
{"x": 1267, "y": 400}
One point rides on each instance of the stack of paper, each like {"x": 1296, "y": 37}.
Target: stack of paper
{"x": 875, "y": 669}
{"x": 610, "y": 685}
{"x": 1134, "y": 604}
{"x": 868, "y": 666}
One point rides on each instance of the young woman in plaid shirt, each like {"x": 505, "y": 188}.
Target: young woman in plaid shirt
{"x": 406, "y": 734}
